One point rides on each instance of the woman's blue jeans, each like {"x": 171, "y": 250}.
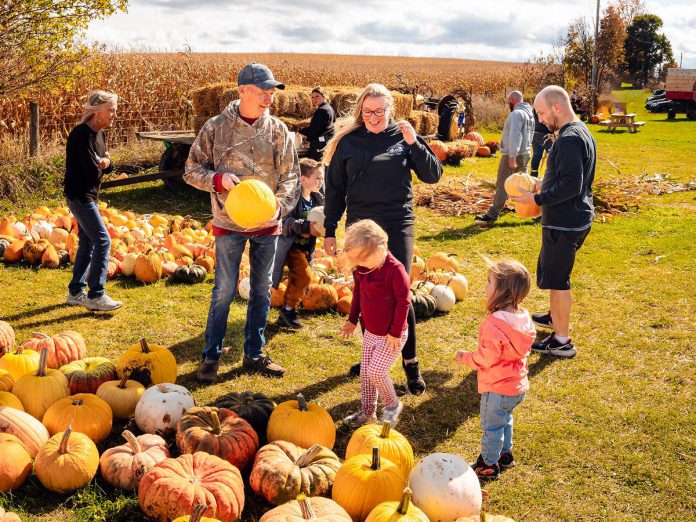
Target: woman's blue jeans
{"x": 496, "y": 423}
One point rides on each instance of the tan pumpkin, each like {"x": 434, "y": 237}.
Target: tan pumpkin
{"x": 123, "y": 466}
{"x": 283, "y": 470}
{"x": 442, "y": 261}
{"x": 175, "y": 486}
{"x": 20, "y": 362}
{"x": 122, "y": 395}
{"x": 392, "y": 445}
{"x": 58, "y": 235}
{"x": 148, "y": 363}
{"x": 364, "y": 481}
{"x": 148, "y": 267}
{"x": 217, "y": 431}
{"x": 344, "y": 304}
{"x": 15, "y": 462}
{"x": 50, "y": 258}
{"x": 63, "y": 348}
{"x": 39, "y": 390}
{"x": 302, "y": 423}
{"x": 530, "y": 210}
{"x": 307, "y": 508}
{"x": 6, "y": 380}
{"x": 517, "y": 182}
{"x": 85, "y": 412}
{"x": 68, "y": 461}
{"x": 7, "y": 337}
{"x": 9, "y": 399}
{"x": 397, "y": 511}
{"x": 319, "y": 298}
{"x": 29, "y": 430}
{"x": 15, "y": 252}
{"x": 86, "y": 375}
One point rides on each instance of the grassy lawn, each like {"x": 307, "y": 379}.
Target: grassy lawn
{"x": 608, "y": 435}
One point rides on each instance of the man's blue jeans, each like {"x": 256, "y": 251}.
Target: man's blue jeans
{"x": 228, "y": 256}
{"x": 496, "y": 423}
{"x": 93, "y": 250}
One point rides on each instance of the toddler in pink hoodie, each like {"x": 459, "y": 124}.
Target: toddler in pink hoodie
{"x": 505, "y": 341}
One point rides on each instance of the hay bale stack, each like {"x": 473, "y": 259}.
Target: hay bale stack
{"x": 294, "y": 123}
{"x": 229, "y": 94}
{"x": 416, "y": 120}
{"x": 206, "y": 100}
{"x": 429, "y": 123}
{"x": 403, "y": 105}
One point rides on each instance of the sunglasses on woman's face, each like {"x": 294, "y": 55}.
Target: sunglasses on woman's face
{"x": 367, "y": 113}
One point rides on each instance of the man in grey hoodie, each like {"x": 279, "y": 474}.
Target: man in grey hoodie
{"x": 515, "y": 150}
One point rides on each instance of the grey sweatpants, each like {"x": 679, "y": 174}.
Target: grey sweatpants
{"x": 504, "y": 172}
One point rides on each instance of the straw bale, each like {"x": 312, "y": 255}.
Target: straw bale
{"x": 416, "y": 120}
{"x": 198, "y": 122}
{"x": 205, "y": 100}
{"x": 294, "y": 123}
{"x": 429, "y": 123}
{"x": 229, "y": 94}
{"x": 403, "y": 104}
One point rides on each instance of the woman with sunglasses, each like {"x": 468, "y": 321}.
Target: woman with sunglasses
{"x": 370, "y": 160}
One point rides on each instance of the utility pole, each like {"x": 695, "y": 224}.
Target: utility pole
{"x": 593, "y": 88}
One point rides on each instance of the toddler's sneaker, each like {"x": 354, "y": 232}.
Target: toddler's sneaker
{"x": 77, "y": 300}
{"x": 551, "y": 345}
{"x": 358, "y": 419}
{"x": 102, "y": 304}
{"x": 542, "y": 320}
{"x": 506, "y": 460}
{"x": 392, "y": 414}
{"x": 485, "y": 472}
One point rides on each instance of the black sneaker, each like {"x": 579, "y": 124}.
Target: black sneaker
{"x": 542, "y": 320}
{"x": 414, "y": 379}
{"x": 207, "y": 372}
{"x": 263, "y": 365}
{"x": 289, "y": 318}
{"x": 354, "y": 370}
{"x": 484, "y": 220}
{"x": 484, "y": 472}
{"x": 553, "y": 346}
{"x": 506, "y": 460}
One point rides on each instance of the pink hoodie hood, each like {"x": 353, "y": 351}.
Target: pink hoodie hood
{"x": 519, "y": 328}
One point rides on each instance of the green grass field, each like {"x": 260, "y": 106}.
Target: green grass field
{"x": 608, "y": 435}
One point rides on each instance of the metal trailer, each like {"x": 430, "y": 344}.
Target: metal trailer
{"x": 681, "y": 90}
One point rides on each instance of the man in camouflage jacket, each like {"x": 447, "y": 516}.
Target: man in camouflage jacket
{"x": 244, "y": 142}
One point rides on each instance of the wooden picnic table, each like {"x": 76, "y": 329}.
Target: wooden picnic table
{"x": 619, "y": 119}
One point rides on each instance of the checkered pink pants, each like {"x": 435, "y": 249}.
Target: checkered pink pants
{"x": 374, "y": 372}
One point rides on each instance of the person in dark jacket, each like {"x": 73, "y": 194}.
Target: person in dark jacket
{"x": 87, "y": 159}
{"x": 567, "y": 212}
{"x": 321, "y": 127}
{"x": 296, "y": 246}
{"x": 540, "y": 142}
{"x": 369, "y": 177}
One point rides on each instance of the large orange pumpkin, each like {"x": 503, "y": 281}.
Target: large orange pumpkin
{"x": 217, "y": 431}
{"x": 251, "y": 203}
{"x": 475, "y": 136}
{"x": 302, "y": 423}
{"x": 527, "y": 210}
{"x": 175, "y": 486}
{"x": 319, "y": 298}
{"x": 85, "y": 412}
{"x": 15, "y": 252}
{"x": 63, "y": 348}
{"x": 15, "y": 462}
{"x": 483, "y": 152}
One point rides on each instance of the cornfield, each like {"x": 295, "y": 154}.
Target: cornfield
{"x": 155, "y": 88}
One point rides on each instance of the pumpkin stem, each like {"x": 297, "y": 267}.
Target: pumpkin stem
{"x": 248, "y": 401}
{"x": 162, "y": 388}
{"x": 405, "y": 501}
{"x": 132, "y": 441}
{"x": 306, "y": 458}
{"x": 386, "y": 428}
{"x": 197, "y": 513}
{"x": 302, "y": 402}
{"x": 77, "y": 402}
{"x": 63, "y": 448}
{"x": 41, "y": 370}
{"x": 124, "y": 380}
{"x": 216, "y": 422}
{"x": 305, "y": 507}
{"x": 143, "y": 346}
{"x": 376, "y": 463}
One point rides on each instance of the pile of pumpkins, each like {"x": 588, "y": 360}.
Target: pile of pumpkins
{"x": 437, "y": 283}
{"x": 285, "y": 450}
{"x": 147, "y": 247}
{"x": 471, "y": 145}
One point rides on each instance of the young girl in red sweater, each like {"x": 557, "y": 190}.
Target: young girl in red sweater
{"x": 381, "y": 297}
{"x": 505, "y": 341}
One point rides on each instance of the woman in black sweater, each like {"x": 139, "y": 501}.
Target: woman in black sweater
{"x": 87, "y": 159}
{"x": 321, "y": 127}
{"x": 369, "y": 177}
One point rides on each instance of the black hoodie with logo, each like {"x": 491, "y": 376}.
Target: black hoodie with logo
{"x": 370, "y": 176}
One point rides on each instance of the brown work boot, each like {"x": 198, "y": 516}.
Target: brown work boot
{"x": 207, "y": 372}
{"x": 263, "y": 365}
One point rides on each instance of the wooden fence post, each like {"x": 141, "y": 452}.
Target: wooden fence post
{"x": 34, "y": 129}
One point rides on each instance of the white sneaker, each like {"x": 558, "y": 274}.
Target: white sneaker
{"x": 358, "y": 419}
{"x": 77, "y": 300}
{"x": 102, "y": 304}
{"x": 392, "y": 414}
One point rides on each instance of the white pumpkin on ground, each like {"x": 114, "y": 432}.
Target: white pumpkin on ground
{"x": 316, "y": 216}
{"x": 161, "y": 407}
{"x": 128, "y": 264}
{"x": 244, "y": 288}
{"x": 444, "y": 298}
{"x": 445, "y": 487}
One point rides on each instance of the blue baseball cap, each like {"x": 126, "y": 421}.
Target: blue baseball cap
{"x": 259, "y": 75}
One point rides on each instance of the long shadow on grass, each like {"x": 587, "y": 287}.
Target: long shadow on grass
{"x": 33, "y": 312}
{"x": 470, "y": 231}
{"x": 100, "y": 316}
{"x": 158, "y": 198}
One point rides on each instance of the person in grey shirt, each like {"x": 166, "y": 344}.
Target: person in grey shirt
{"x": 515, "y": 150}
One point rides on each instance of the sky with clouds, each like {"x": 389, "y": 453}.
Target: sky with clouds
{"x": 509, "y": 30}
